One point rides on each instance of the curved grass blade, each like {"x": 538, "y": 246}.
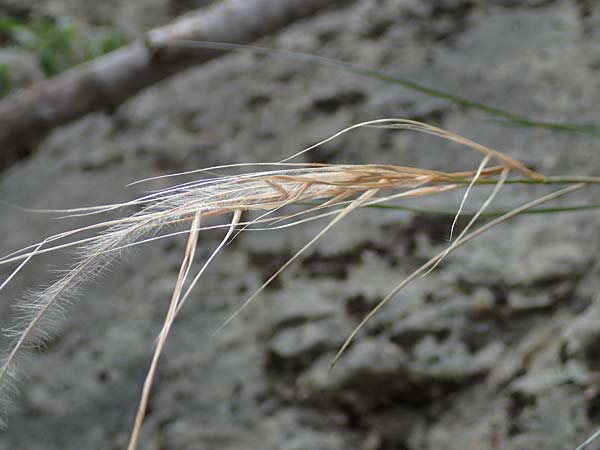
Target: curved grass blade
{"x": 506, "y": 116}
{"x": 433, "y": 261}
{"x": 450, "y": 212}
{"x": 589, "y": 440}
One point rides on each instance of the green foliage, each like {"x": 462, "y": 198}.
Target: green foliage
{"x": 58, "y": 46}
{"x": 5, "y": 80}
{"x": 452, "y": 212}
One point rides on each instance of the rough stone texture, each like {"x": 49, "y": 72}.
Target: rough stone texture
{"x": 495, "y": 349}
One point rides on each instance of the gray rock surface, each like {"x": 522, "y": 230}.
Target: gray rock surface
{"x": 495, "y": 349}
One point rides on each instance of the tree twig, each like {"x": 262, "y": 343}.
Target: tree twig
{"x": 27, "y": 116}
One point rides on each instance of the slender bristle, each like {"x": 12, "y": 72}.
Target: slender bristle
{"x": 337, "y": 190}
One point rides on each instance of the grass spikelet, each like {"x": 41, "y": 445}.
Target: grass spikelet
{"x": 314, "y": 190}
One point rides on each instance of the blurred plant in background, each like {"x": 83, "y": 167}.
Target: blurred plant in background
{"x": 48, "y": 47}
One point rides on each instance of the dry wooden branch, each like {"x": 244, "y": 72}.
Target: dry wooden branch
{"x": 27, "y": 116}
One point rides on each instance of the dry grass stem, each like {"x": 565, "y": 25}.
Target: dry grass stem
{"x": 282, "y": 195}
{"x": 190, "y": 250}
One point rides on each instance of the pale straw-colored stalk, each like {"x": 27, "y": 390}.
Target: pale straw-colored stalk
{"x": 314, "y": 190}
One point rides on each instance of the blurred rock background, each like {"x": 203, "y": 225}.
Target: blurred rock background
{"x": 498, "y": 348}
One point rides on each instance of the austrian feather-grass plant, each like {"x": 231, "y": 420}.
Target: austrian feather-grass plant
{"x": 262, "y": 196}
